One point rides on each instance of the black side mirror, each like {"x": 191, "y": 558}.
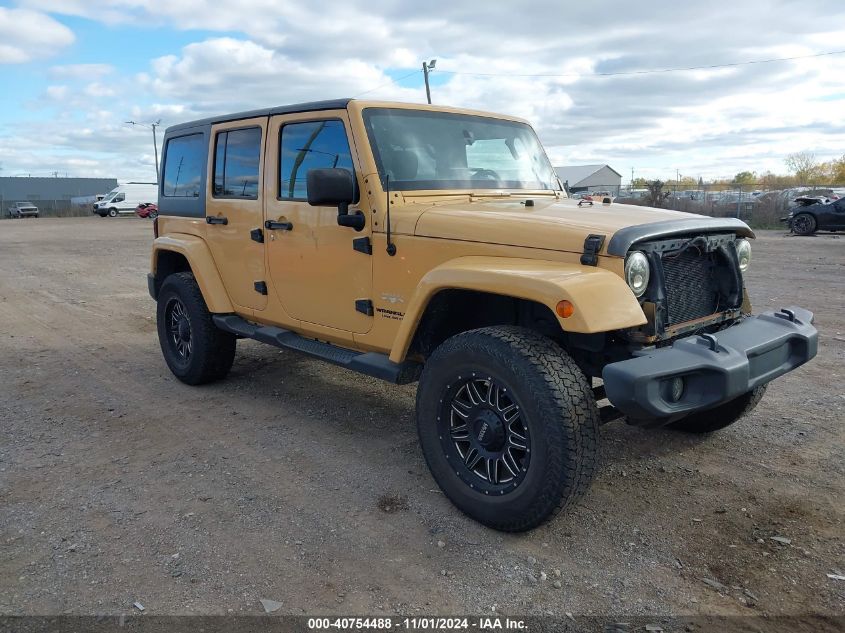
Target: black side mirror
{"x": 334, "y": 187}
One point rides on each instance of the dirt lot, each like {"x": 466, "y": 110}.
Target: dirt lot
{"x": 302, "y": 483}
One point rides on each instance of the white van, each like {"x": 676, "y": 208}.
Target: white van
{"x": 124, "y": 198}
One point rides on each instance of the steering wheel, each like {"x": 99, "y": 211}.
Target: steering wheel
{"x": 485, "y": 174}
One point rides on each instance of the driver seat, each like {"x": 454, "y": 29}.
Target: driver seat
{"x": 401, "y": 164}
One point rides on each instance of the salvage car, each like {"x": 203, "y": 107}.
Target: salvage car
{"x": 23, "y": 210}
{"x": 816, "y": 213}
{"x": 147, "y": 210}
{"x": 423, "y": 243}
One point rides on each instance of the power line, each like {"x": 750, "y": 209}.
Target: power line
{"x": 389, "y": 83}
{"x": 647, "y": 72}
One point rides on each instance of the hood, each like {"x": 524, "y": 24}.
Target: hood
{"x": 562, "y": 225}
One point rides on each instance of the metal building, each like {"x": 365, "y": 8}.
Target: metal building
{"x": 590, "y": 178}
{"x": 18, "y": 189}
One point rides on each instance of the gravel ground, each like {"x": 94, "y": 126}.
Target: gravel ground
{"x": 302, "y": 483}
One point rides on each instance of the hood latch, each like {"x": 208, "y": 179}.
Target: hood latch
{"x": 592, "y": 246}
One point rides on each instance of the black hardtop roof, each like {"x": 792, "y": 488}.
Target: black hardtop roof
{"x": 310, "y": 106}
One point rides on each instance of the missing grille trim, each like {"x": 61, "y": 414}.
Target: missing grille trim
{"x": 691, "y": 288}
{"x": 695, "y": 282}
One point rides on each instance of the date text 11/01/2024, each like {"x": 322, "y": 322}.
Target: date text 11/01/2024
{"x": 416, "y": 624}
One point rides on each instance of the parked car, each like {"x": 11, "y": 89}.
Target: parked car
{"x": 23, "y": 210}
{"x": 147, "y": 210}
{"x": 816, "y": 213}
{"x": 505, "y": 308}
{"x": 124, "y": 199}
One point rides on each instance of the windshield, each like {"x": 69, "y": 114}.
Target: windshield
{"x": 419, "y": 150}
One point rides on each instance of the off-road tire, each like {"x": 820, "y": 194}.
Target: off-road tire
{"x": 112, "y": 213}
{"x": 719, "y": 417}
{"x": 213, "y": 350}
{"x": 806, "y": 225}
{"x": 556, "y": 404}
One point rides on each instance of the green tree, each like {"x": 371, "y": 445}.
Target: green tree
{"x": 745, "y": 178}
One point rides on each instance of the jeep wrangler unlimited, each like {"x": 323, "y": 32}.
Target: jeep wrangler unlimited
{"x": 412, "y": 242}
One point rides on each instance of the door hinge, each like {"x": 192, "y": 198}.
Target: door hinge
{"x": 261, "y": 287}
{"x": 362, "y": 245}
{"x": 257, "y": 235}
{"x": 364, "y": 306}
{"x": 592, "y": 246}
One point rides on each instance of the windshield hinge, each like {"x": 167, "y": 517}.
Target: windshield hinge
{"x": 592, "y": 246}
{"x": 364, "y": 306}
{"x": 362, "y": 245}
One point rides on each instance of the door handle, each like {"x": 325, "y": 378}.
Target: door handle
{"x": 272, "y": 225}
{"x": 216, "y": 219}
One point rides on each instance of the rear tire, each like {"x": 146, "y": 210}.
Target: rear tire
{"x": 804, "y": 224}
{"x": 508, "y": 426}
{"x": 195, "y": 349}
{"x": 721, "y": 416}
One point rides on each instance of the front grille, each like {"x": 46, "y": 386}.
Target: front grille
{"x": 691, "y": 290}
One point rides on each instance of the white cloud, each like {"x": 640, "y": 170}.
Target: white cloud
{"x": 56, "y": 93}
{"x": 265, "y": 52}
{"x": 81, "y": 71}
{"x": 26, "y": 35}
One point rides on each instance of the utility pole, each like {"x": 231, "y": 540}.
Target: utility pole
{"x": 155, "y": 142}
{"x": 155, "y": 149}
{"x": 426, "y": 68}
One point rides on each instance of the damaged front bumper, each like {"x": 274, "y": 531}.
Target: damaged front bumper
{"x": 704, "y": 371}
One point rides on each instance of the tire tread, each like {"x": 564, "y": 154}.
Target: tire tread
{"x": 557, "y": 378}
{"x": 215, "y": 353}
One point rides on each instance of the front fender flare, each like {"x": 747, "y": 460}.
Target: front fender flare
{"x": 603, "y": 302}
{"x": 196, "y": 251}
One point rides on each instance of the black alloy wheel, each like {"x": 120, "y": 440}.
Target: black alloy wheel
{"x": 804, "y": 224}
{"x": 483, "y": 433}
{"x": 179, "y": 329}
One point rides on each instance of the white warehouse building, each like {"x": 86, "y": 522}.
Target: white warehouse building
{"x": 581, "y": 178}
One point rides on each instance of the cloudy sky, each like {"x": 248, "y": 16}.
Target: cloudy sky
{"x": 73, "y": 71}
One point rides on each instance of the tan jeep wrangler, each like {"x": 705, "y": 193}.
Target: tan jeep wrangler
{"x": 412, "y": 242}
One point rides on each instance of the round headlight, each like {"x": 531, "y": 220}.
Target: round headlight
{"x": 743, "y": 254}
{"x": 637, "y": 272}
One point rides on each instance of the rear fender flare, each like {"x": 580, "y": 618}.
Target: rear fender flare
{"x": 199, "y": 258}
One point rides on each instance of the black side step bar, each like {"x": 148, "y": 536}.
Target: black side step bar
{"x": 369, "y": 363}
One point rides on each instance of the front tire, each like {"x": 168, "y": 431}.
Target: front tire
{"x": 804, "y": 224}
{"x": 195, "y": 349}
{"x": 508, "y": 426}
{"x": 112, "y": 213}
{"x": 722, "y": 416}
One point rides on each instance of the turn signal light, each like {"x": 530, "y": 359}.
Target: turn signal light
{"x": 565, "y": 309}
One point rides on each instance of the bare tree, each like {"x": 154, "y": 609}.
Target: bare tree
{"x": 804, "y": 165}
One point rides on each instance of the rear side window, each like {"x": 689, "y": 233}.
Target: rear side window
{"x": 184, "y": 159}
{"x": 236, "y": 160}
{"x": 306, "y": 146}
